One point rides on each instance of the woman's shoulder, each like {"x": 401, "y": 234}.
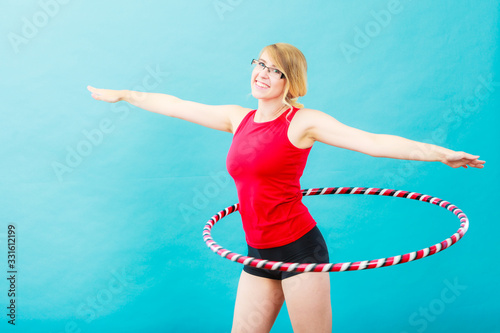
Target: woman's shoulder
{"x": 305, "y": 119}
{"x": 304, "y": 115}
{"x": 241, "y": 112}
{"x": 308, "y": 111}
{"x": 238, "y": 112}
{"x": 237, "y": 115}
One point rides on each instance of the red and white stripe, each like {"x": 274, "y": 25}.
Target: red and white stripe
{"x": 345, "y": 266}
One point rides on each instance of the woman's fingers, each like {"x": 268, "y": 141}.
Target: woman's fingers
{"x": 94, "y": 92}
{"x": 475, "y": 163}
{"x": 464, "y": 160}
{"x": 92, "y": 89}
{"x": 467, "y": 156}
{"x": 479, "y": 165}
{"x": 106, "y": 95}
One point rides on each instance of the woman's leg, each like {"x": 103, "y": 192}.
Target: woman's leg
{"x": 307, "y": 297}
{"x": 258, "y": 303}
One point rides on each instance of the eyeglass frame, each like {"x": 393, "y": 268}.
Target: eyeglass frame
{"x": 257, "y": 62}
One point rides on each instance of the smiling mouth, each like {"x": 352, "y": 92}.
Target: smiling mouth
{"x": 261, "y": 85}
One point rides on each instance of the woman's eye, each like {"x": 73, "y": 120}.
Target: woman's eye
{"x": 277, "y": 71}
{"x": 261, "y": 64}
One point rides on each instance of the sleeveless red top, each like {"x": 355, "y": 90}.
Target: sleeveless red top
{"x": 266, "y": 168}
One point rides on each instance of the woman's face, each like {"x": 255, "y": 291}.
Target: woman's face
{"x": 265, "y": 86}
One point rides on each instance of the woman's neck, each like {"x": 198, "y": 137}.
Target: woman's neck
{"x": 269, "y": 110}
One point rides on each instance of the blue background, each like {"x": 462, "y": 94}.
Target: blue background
{"x": 109, "y": 200}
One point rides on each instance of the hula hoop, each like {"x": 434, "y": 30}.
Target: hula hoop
{"x": 344, "y": 266}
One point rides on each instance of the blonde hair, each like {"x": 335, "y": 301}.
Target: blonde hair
{"x": 291, "y": 62}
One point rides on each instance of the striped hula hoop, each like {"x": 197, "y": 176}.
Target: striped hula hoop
{"x": 344, "y": 266}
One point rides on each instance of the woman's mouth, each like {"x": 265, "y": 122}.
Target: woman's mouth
{"x": 260, "y": 85}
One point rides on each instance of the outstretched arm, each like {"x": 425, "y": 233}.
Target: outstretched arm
{"x": 219, "y": 117}
{"x": 324, "y": 128}
{"x": 397, "y": 147}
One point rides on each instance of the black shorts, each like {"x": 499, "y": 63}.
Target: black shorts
{"x": 310, "y": 248}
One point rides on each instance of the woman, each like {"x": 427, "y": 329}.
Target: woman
{"x": 266, "y": 159}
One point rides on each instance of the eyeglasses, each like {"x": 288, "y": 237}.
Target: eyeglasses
{"x": 274, "y": 72}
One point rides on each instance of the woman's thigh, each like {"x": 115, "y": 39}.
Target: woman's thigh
{"x": 307, "y": 297}
{"x": 258, "y": 303}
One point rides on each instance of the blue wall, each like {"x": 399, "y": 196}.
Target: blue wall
{"x": 109, "y": 201}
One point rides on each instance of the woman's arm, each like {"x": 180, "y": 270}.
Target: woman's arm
{"x": 397, "y": 147}
{"x": 219, "y": 117}
{"x": 324, "y": 128}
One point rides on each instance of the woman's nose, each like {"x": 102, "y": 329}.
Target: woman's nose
{"x": 263, "y": 74}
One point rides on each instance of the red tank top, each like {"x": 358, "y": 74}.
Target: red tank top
{"x": 266, "y": 168}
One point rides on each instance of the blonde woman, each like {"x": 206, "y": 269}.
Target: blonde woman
{"x": 266, "y": 159}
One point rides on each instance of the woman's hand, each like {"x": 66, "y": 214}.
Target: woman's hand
{"x": 106, "y": 95}
{"x": 459, "y": 159}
